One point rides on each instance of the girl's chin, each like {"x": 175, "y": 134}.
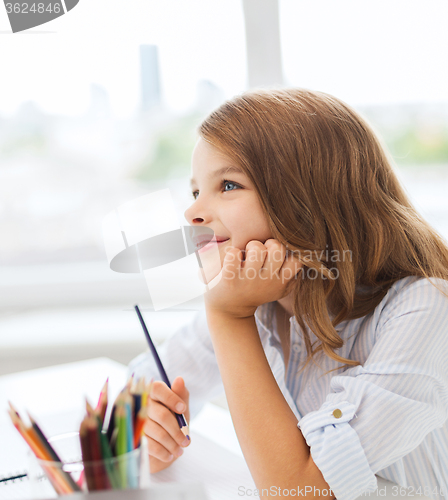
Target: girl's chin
{"x": 210, "y": 269}
{"x": 206, "y": 276}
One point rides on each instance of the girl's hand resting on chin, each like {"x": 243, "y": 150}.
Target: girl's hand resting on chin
{"x": 243, "y": 285}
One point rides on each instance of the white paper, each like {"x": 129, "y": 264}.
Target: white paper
{"x": 220, "y": 471}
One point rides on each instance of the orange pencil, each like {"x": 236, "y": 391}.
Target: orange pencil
{"x": 139, "y": 425}
{"x": 29, "y": 435}
{"x": 40, "y": 449}
{"x": 54, "y": 456}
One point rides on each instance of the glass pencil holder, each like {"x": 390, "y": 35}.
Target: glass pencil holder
{"x": 52, "y": 479}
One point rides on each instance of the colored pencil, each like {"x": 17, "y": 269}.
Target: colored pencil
{"x": 132, "y": 470}
{"x": 106, "y": 452}
{"x": 144, "y": 393}
{"x": 128, "y": 402}
{"x": 139, "y": 425}
{"x": 89, "y": 409}
{"x": 45, "y": 450}
{"x": 121, "y": 446}
{"x": 44, "y": 441}
{"x": 86, "y": 455}
{"x": 111, "y": 426}
{"x": 54, "y": 456}
{"x": 102, "y": 402}
{"x": 120, "y": 424}
{"x": 107, "y": 455}
{"x": 97, "y": 465}
{"x": 29, "y": 435}
{"x": 179, "y": 417}
{"x": 136, "y": 404}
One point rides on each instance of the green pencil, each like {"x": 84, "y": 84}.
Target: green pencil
{"x": 109, "y": 461}
{"x": 121, "y": 446}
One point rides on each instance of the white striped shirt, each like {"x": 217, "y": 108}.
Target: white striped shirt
{"x": 394, "y": 405}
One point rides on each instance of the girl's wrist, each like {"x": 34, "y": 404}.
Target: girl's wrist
{"x": 228, "y": 333}
{"x": 227, "y": 323}
{"x": 221, "y": 315}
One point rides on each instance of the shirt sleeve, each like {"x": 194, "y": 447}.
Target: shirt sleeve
{"x": 187, "y": 353}
{"x": 379, "y": 412}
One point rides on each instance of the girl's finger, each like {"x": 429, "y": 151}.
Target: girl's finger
{"x": 159, "y": 435}
{"x": 161, "y": 415}
{"x": 156, "y": 450}
{"x": 232, "y": 263}
{"x": 275, "y": 258}
{"x": 291, "y": 267}
{"x": 162, "y": 393}
{"x": 256, "y": 254}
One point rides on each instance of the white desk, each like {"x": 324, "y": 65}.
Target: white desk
{"x": 61, "y": 391}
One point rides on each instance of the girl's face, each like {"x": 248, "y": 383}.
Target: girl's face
{"x": 226, "y": 202}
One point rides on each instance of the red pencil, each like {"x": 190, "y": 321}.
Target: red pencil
{"x": 86, "y": 455}
{"x": 99, "y": 470}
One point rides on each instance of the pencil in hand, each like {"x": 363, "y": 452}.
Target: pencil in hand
{"x": 179, "y": 417}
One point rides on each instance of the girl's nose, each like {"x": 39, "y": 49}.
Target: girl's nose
{"x": 195, "y": 215}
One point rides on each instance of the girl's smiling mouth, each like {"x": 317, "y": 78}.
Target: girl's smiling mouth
{"x": 206, "y": 244}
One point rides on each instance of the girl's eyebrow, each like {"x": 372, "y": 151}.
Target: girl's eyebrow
{"x": 223, "y": 170}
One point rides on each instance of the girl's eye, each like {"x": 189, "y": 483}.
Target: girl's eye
{"x": 226, "y": 183}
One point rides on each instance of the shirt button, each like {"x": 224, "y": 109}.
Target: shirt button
{"x": 337, "y": 413}
{"x": 296, "y": 347}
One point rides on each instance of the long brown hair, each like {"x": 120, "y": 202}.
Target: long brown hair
{"x": 330, "y": 194}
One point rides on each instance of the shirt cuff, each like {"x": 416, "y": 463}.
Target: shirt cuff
{"x": 336, "y": 450}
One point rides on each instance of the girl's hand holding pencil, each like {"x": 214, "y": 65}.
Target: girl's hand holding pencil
{"x": 167, "y": 432}
{"x": 165, "y": 439}
{"x": 244, "y": 284}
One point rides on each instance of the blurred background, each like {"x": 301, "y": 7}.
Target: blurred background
{"x": 101, "y": 106}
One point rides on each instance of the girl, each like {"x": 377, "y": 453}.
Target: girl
{"x": 327, "y": 324}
